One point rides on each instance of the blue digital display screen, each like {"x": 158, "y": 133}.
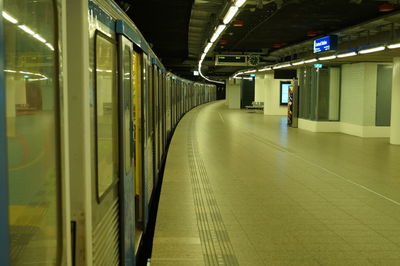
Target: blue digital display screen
{"x": 285, "y": 92}
{"x": 326, "y": 43}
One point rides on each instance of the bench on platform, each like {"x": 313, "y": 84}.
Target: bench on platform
{"x": 255, "y": 106}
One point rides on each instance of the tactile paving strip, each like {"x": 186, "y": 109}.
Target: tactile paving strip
{"x": 216, "y": 245}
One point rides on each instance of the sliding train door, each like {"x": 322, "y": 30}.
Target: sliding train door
{"x": 168, "y": 103}
{"x": 156, "y": 107}
{"x": 127, "y": 169}
{"x": 148, "y": 137}
{"x": 107, "y": 156}
{"x": 138, "y": 145}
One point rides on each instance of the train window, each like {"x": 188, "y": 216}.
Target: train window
{"x": 135, "y": 79}
{"x": 31, "y": 79}
{"x": 150, "y": 101}
{"x": 106, "y": 114}
{"x": 127, "y": 107}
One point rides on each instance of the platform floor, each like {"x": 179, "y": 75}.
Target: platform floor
{"x": 241, "y": 188}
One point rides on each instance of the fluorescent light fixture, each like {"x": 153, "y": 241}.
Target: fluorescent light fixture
{"x": 195, "y": 73}
{"x": 9, "y": 18}
{"x": 372, "y": 50}
{"x": 239, "y": 3}
{"x": 203, "y": 56}
{"x": 265, "y": 69}
{"x": 394, "y": 46}
{"x": 250, "y": 71}
{"x": 298, "y": 63}
{"x": 346, "y": 55}
{"x": 26, "y": 29}
{"x": 230, "y": 14}
{"x": 208, "y": 47}
{"x": 40, "y": 38}
{"x": 238, "y": 74}
{"x": 311, "y": 60}
{"x": 282, "y": 66}
{"x": 10, "y": 71}
{"x": 327, "y": 57}
{"x": 217, "y": 33}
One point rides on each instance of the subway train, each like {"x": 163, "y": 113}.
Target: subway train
{"x": 86, "y": 116}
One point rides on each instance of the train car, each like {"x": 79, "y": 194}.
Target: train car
{"x": 85, "y": 120}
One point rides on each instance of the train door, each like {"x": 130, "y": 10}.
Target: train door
{"x": 173, "y": 103}
{"x": 164, "y": 111}
{"x": 138, "y": 145}
{"x": 180, "y": 85}
{"x": 156, "y": 106}
{"x": 184, "y": 99}
{"x": 106, "y": 153}
{"x": 178, "y": 101}
{"x": 160, "y": 118}
{"x": 127, "y": 213}
{"x": 168, "y": 106}
{"x": 148, "y": 137}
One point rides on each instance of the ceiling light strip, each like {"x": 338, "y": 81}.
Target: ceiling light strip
{"x": 311, "y": 60}
{"x": 327, "y": 58}
{"x": 346, "y": 54}
{"x": 240, "y": 3}
{"x": 265, "y": 69}
{"x": 217, "y": 33}
{"x": 394, "y": 46}
{"x": 231, "y": 13}
{"x": 372, "y": 50}
{"x": 233, "y": 10}
{"x": 298, "y": 63}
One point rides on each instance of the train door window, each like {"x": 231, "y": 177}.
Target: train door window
{"x": 127, "y": 107}
{"x": 33, "y": 154}
{"x": 138, "y": 138}
{"x": 106, "y": 96}
{"x": 135, "y": 94}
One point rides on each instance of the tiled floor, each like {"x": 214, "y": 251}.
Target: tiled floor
{"x": 241, "y": 188}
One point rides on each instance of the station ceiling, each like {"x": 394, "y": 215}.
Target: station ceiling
{"x": 179, "y": 29}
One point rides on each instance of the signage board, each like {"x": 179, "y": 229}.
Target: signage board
{"x": 237, "y": 60}
{"x": 318, "y": 65}
{"x": 327, "y": 43}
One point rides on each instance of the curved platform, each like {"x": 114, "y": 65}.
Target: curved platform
{"x": 242, "y": 188}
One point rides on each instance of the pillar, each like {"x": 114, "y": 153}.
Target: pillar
{"x": 395, "y": 114}
{"x": 233, "y": 86}
{"x": 259, "y": 93}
